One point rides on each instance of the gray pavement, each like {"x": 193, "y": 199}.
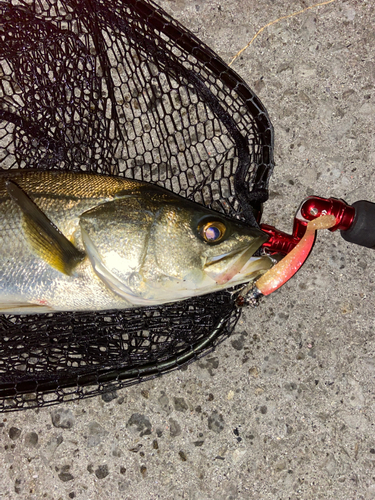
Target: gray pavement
{"x": 285, "y": 408}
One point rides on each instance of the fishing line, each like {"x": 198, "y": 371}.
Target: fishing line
{"x": 288, "y": 16}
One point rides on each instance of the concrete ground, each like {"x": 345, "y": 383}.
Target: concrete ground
{"x": 285, "y": 408}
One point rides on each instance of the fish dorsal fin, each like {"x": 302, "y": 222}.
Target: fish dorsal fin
{"x": 44, "y": 237}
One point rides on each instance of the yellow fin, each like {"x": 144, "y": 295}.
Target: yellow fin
{"x": 44, "y": 237}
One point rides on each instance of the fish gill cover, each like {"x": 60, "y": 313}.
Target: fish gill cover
{"x": 118, "y": 87}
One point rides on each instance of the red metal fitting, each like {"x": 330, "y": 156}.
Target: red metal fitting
{"x": 311, "y": 208}
{"x": 278, "y": 242}
{"x": 314, "y": 207}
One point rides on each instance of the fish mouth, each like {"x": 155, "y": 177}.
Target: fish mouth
{"x": 240, "y": 268}
{"x": 226, "y": 255}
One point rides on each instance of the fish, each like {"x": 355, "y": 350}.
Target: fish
{"x": 88, "y": 242}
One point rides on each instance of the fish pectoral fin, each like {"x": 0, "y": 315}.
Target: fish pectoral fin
{"x": 44, "y": 237}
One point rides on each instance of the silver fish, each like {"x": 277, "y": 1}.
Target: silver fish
{"x": 76, "y": 241}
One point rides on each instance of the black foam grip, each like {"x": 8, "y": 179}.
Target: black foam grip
{"x": 362, "y": 230}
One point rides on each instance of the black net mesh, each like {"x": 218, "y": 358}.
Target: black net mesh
{"x": 119, "y": 87}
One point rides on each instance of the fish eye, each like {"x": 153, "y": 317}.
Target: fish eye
{"x": 212, "y": 232}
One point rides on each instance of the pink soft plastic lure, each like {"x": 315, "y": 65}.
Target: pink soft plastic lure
{"x": 236, "y": 267}
{"x": 289, "y": 265}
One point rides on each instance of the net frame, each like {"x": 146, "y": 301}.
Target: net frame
{"x": 120, "y": 88}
